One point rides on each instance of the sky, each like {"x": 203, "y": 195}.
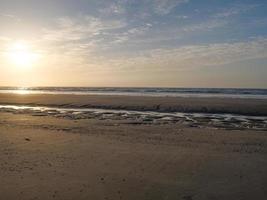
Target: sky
{"x": 130, "y": 43}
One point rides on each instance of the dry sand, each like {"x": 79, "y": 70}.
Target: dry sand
{"x": 57, "y": 158}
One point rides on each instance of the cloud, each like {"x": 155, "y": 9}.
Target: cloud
{"x": 78, "y": 36}
{"x": 163, "y": 7}
{"x": 113, "y": 8}
{"x": 182, "y": 17}
{"x": 163, "y": 35}
{"x": 83, "y": 27}
{"x": 183, "y": 58}
{"x": 195, "y": 56}
{"x": 191, "y": 27}
{"x": 206, "y": 26}
{"x": 132, "y": 33}
{"x": 235, "y": 10}
{"x": 11, "y": 17}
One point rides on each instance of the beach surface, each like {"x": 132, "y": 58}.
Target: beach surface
{"x": 256, "y": 107}
{"x": 59, "y": 156}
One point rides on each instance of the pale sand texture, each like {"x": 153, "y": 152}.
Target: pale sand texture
{"x": 56, "y": 158}
{"x": 164, "y": 104}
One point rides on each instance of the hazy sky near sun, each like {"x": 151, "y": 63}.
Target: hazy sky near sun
{"x": 168, "y": 43}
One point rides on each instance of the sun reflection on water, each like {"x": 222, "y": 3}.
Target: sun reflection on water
{"x": 22, "y": 91}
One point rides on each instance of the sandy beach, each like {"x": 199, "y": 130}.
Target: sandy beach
{"x": 58, "y": 157}
{"x": 51, "y": 158}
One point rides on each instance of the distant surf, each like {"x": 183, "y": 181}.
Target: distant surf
{"x": 131, "y": 91}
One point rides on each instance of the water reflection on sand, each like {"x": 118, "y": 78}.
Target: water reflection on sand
{"x": 226, "y": 121}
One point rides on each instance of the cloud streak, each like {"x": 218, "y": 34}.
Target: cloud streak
{"x": 195, "y": 56}
{"x": 83, "y": 27}
{"x": 163, "y": 7}
{"x": 11, "y": 17}
{"x": 235, "y": 10}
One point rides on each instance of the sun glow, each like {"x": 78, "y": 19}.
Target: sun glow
{"x": 20, "y": 54}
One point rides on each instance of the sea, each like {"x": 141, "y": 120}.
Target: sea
{"x": 134, "y": 91}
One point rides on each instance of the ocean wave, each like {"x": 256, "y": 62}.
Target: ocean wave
{"x": 176, "y": 92}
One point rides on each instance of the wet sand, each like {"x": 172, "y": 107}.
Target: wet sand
{"x": 256, "y": 107}
{"x": 44, "y": 157}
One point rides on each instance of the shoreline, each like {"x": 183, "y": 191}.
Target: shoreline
{"x": 252, "y": 107}
{"x": 200, "y": 120}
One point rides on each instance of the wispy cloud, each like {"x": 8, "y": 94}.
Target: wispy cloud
{"x": 69, "y": 29}
{"x": 197, "y": 56}
{"x": 131, "y": 34}
{"x": 150, "y": 35}
{"x": 235, "y": 10}
{"x": 113, "y": 8}
{"x": 164, "y": 7}
{"x": 206, "y": 25}
{"x": 11, "y": 17}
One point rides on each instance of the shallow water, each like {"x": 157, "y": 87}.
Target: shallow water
{"x": 226, "y": 121}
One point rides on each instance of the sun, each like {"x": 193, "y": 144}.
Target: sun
{"x": 21, "y": 55}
